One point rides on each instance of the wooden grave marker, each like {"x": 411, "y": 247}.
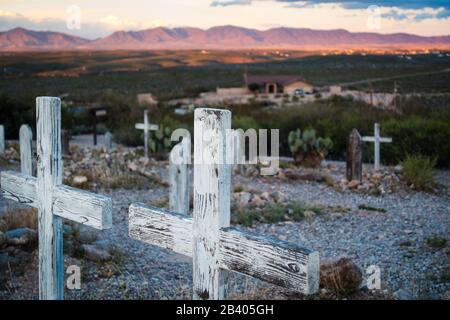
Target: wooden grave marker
{"x": 53, "y": 200}
{"x": 26, "y": 150}
{"x": 179, "y": 176}
{"x": 147, "y": 127}
{"x": 354, "y": 156}
{"x": 216, "y": 247}
{"x": 2, "y": 140}
{"x": 377, "y": 140}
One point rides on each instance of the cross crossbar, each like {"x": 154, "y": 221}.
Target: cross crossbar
{"x": 273, "y": 261}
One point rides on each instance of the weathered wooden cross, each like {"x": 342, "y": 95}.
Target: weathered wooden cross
{"x": 217, "y": 248}
{"x": 147, "y": 127}
{"x": 179, "y": 160}
{"x": 26, "y": 150}
{"x": 53, "y": 200}
{"x": 2, "y": 139}
{"x": 377, "y": 139}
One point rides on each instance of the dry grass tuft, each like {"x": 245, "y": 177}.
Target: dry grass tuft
{"x": 19, "y": 218}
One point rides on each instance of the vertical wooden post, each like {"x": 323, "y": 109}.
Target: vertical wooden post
{"x": 211, "y": 200}
{"x": 65, "y": 142}
{"x": 179, "y": 176}
{"x": 377, "y": 146}
{"x": 51, "y": 259}
{"x": 26, "y": 150}
{"x": 354, "y": 156}
{"x": 108, "y": 141}
{"x": 2, "y": 140}
{"x": 95, "y": 129}
{"x": 146, "y": 122}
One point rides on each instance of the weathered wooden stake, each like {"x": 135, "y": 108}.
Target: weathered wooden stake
{"x": 26, "y": 149}
{"x": 53, "y": 200}
{"x": 65, "y": 142}
{"x": 180, "y": 194}
{"x": 212, "y": 176}
{"x": 354, "y": 156}
{"x": 2, "y": 140}
{"x": 108, "y": 141}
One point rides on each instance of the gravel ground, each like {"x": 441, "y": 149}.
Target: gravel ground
{"x": 395, "y": 241}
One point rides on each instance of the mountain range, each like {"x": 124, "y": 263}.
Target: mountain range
{"x": 219, "y": 38}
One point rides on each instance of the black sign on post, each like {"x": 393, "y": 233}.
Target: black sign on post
{"x": 97, "y": 112}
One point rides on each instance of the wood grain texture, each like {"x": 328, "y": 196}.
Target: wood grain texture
{"x": 26, "y": 149}
{"x": 212, "y": 177}
{"x": 354, "y": 156}
{"x": 76, "y": 205}
{"x": 270, "y": 260}
{"x": 49, "y": 164}
{"x": 179, "y": 177}
{"x": 2, "y": 140}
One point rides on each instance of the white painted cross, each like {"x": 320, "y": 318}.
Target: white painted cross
{"x": 377, "y": 140}
{"x": 2, "y": 140}
{"x": 180, "y": 191}
{"x": 147, "y": 127}
{"x": 217, "y": 248}
{"x": 26, "y": 150}
{"x": 53, "y": 200}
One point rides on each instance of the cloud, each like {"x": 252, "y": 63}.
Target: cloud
{"x": 226, "y": 3}
{"x": 398, "y": 8}
{"x": 349, "y": 4}
{"x": 10, "y": 20}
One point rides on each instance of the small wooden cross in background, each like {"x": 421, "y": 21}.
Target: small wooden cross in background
{"x": 377, "y": 139}
{"x": 147, "y": 127}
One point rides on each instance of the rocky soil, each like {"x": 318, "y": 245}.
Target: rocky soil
{"x": 403, "y": 232}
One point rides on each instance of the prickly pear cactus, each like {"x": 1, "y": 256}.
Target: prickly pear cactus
{"x": 160, "y": 140}
{"x": 308, "y": 149}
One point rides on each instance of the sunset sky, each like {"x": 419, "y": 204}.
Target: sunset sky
{"x": 101, "y": 17}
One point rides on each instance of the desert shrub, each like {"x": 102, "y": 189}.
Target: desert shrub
{"x": 245, "y": 123}
{"x": 417, "y": 135}
{"x": 418, "y": 170}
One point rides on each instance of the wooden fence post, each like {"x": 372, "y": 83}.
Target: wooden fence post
{"x": 211, "y": 200}
{"x": 51, "y": 275}
{"x": 26, "y": 149}
{"x": 179, "y": 177}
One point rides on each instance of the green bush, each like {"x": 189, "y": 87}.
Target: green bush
{"x": 418, "y": 171}
{"x": 417, "y": 135}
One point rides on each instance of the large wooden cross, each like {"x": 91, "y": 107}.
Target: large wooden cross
{"x": 53, "y": 200}
{"x": 217, "y": 248}
{"x": 147, "y": 127}
{"x": 377, "y": 139}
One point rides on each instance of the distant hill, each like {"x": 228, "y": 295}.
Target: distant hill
{"x": 23, "y": 39}
{"x": 223, "y": 37}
